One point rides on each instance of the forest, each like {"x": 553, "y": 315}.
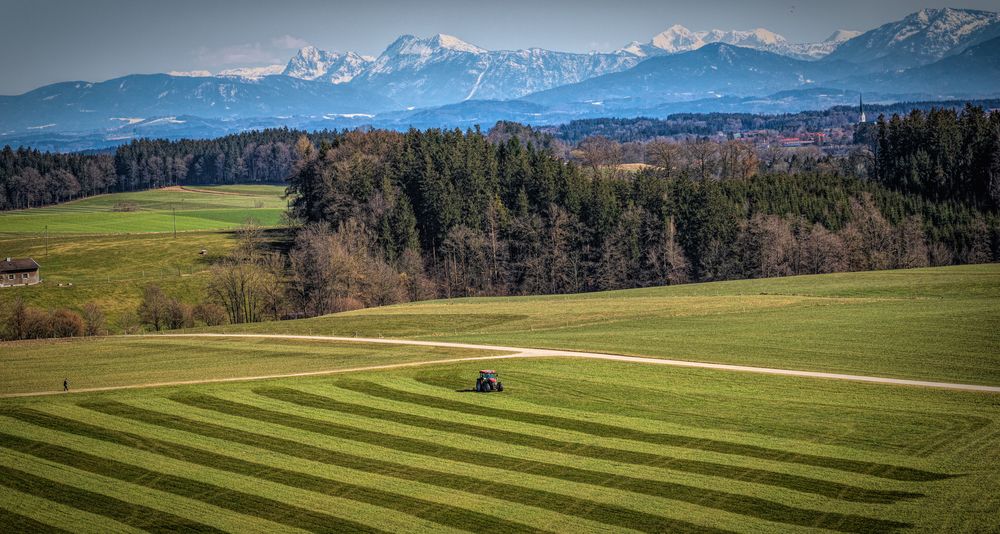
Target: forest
{"x": 484, "y": 218}
{"x": 703, "y": 124}
{"x": 380, "y": 217}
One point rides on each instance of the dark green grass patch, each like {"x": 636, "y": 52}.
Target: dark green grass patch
{"x": 15, "y": 522}
{"x": 135, "y": 515}
{"x": 817, "y": 486}
{"x": 442, "y": 514}
{"x": 730, "y": 502}
{"x": 893, "y": 472}
{"x": 615, "y": 516}
{"x": 237, "y": 501}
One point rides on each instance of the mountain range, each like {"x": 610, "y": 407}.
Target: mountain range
{"x": 677, "y": 38}
{"x": 445, "y": 81}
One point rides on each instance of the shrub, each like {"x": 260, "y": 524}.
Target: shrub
{"x": 179, "y": 315}
{"x": 210, "y": 313}
{"x": 129, "y": 322}
{"x": 37, "y": 324}
{"x": 66, "y": 323}
{"x": 342, "y": 304}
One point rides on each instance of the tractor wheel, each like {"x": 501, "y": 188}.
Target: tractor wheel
{"x": 499, "y": 386}
{"x": 487, "y": 386}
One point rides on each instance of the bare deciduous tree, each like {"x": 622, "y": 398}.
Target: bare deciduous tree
{"x": 153, "y": 308}
{"x": 664, "y": 154}
{"x": 93, "y": 317}
{"x": 702, "y": 159}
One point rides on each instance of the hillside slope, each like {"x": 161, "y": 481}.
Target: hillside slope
{"x": 936, "y": 323}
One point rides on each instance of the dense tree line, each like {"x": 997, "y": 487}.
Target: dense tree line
{"x": 940, "y": 154}
{"x": 397, "y": 216}
{"x": 29, "y": 178}
{"x": 698, "y": 124}
{"x": 625, "y": 130}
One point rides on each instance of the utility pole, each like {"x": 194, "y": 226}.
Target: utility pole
{"x": 174, "y": 210}
{"x": 46, "y": 241}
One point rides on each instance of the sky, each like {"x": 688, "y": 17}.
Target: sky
{"x": 47, "y": 41}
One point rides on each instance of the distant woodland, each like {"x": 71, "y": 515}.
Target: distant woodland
{"x": 379, "y": 217}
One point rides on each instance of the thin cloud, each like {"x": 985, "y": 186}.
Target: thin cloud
{"x": 249, "y": 54}
{"x": 289, "y": 42}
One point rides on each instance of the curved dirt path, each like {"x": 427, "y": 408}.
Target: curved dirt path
{"x": 512, "y": 352}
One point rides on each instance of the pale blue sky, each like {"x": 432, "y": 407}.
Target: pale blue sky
{"x": 45, "y": 41}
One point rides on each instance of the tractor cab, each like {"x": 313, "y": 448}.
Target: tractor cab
{"x": 488, "y": 381}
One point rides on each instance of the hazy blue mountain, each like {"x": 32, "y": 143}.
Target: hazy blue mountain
{"x": 76, "y": 106}
{"x": 920, "y": 38}
{"x": 714, "y": 70}
{"x": 974, "y": 72}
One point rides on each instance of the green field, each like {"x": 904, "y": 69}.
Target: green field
{"x": 93, "y": 253}
{"x": 204, "y": 208}
{"x": 571, "y": 446}
{"x": 111, "y": 270}
{"x": 40, "y": 365}
{"x": 940, "y": 323}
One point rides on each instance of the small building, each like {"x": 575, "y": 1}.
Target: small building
{"x": 18, "y": 272}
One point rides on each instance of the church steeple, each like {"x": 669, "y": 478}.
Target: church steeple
{"x": 861, "y": 108}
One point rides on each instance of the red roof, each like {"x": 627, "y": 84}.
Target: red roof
{"x": 491, "y": 371}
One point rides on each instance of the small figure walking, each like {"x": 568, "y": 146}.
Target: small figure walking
{"x": 65, "y": 384}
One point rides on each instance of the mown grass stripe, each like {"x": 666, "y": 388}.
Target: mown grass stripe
{"x": 15, "y": 522}
{"x": 888, "y": 471}
{"x": 826, "y": 488}
{"x": 443, "y": 514}
{"x": 608, "y": 514}
{"x": 135, "y": 515}
{"x": 720, "y": 500}
{"x": 237, "y": 501}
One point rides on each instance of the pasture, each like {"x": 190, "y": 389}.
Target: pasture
{"x": 111, "y": 270}
{"x": 94, "y": 253}
{"x": 936, "y": 323}
{"x": 197, "y": 208}
{"x": 571, "y": 446}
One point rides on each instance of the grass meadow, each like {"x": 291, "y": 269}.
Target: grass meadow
{"x": 200, "y": 208}
{"x": 570, "y": 446}
{"x": 93, "y": 253}
{"x": 936, "y": 323}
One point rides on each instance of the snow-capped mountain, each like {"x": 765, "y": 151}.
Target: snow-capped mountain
{"x": 970, "y": 73}
{"x": 677, "y": 38}
{"x": 443, "y": 80}
{"x": 190, "y": 73}
{"x": 442, "y": 69}
{"x": 311, "y": 63}
{"x": 246, "y": 73}
{"x": 253, "y": 73}
{"x": 818, "y": 50}
{"x": 921, "y": 38}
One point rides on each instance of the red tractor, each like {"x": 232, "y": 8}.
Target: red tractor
{"x": 488, "y": 382}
